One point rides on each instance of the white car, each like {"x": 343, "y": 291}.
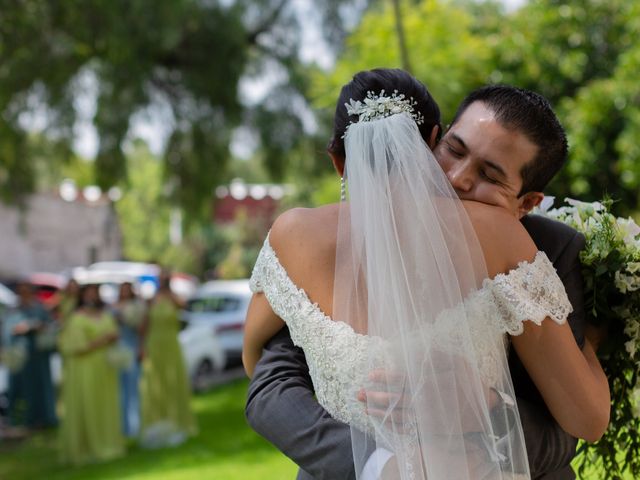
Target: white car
{"x": 202, "y": 353}
{"x": 222, "y": 304}
{"x": 8, "y": 300}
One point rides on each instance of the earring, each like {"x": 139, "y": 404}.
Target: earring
{"x": 343, "y": 190}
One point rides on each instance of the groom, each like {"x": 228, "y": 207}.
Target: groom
{"x": 503, "y": 147}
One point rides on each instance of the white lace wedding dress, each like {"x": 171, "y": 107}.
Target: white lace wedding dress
{"x": 335, "y": 352}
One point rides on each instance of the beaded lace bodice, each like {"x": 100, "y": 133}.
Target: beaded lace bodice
{"x": 335, "y": 353}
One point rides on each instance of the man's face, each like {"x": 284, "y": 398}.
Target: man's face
{"x": 483, "y": 160}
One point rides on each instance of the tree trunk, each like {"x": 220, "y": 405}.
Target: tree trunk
{"x": 404, "y": 53}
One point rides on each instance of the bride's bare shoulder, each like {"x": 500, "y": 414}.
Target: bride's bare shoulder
{"x": 502, "y": 236}
{"x": 492, "y": 219}
{"x": 304, "y": 228}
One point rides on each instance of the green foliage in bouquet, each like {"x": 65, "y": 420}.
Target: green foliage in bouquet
{"x": 611, "y": 272}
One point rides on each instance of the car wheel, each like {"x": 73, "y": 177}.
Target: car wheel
{"x": 203, "y": 374}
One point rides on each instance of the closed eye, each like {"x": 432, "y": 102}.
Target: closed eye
{"x": 454, "y": 152}
{"x": 489, "y": 179}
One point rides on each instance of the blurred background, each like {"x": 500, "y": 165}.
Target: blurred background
{"x": 147, "y": 136}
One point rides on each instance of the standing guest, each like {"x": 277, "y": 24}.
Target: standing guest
{"x": 67, "y": 301}
{"x": 167, "y": 419}
{"x": 129, "y": 311}
{"x": 27, "y": 334}
{"x": 91, "y": 425}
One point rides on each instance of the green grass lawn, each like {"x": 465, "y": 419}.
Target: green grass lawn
{"x": 225, "y": 449}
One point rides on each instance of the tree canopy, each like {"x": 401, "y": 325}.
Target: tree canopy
{"x": 582, "y": 55}
{"x": 182, "y": 60}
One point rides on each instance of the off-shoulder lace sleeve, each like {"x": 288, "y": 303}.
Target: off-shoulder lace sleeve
{"x": 256, "y": 283}
{"x": 335, "y": 353}
{"x": 533, "y": 291}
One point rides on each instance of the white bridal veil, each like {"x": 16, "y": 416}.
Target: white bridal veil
{"x": 407, "y": 257}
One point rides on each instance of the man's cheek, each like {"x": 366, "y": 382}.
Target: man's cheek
{"x": 486, "y": 194}
{"x": 442, "y": 161}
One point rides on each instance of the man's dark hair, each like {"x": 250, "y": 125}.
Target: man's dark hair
{"x": 530, "y": 114}
{"x": 389, "y": 80}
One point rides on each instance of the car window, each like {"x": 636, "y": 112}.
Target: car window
{"x": 214, "y": 304}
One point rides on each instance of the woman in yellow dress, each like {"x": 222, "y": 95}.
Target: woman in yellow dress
{"x": 67, "y": 301}
{"x": 91, "y": 426}
{"x": 165, "y": 393}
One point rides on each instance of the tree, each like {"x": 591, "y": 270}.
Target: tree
{"x": 449, "y": 64}
{"x": 583, "y": 56}
{"x": 603, "y": 120}
{"x": 183, "y": 58}
{"x": 144, "y": 211}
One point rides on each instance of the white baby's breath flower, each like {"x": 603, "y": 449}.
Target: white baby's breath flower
{"x": 14, "y": 357}
{"x": 629, "y": 229}
{"x": 596, "y": 206}
{"x": 621, "y": 282}
{"x": 626, "y": 283}
{"x": 631, "y": 348}
{"x": 546, "y": 204}
{"x": 120, "y": 357}
{"x": 633, "y": 267}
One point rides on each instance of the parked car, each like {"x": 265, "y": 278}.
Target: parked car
{"x": 202, "y": 352}
{"x": 8, "y": 300}
{"x": 46, "y": 285}
{"x": 110, "y": 275}
{"x": 144, "y": 277}
{"x": 222, "y": 305}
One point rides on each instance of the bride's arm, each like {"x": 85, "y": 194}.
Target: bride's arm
{"x": 260, "y": 326}
{"x": 571, "y": 380}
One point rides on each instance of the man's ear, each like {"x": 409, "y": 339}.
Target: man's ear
{"x": 528, "y": 202}
{"x": 433, "y": 137}
{"x": 338, "y": 163}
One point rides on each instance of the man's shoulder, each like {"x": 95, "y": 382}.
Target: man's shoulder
{"x": 551, "y": 236}
{"x": 540, "y": 224}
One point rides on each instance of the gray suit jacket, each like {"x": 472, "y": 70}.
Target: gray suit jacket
{"x": 282, "y": 408}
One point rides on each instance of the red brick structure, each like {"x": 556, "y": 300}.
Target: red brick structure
{"x": 260, "y": 202}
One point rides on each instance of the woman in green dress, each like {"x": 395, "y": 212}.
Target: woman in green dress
{"x": 165, "y": 393}
{"x": 90, "y": 429}
{"x": 67, "y": 301}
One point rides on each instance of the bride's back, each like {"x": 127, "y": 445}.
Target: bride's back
{"x": 305, "y": 241}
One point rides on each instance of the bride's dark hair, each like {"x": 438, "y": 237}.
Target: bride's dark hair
{"x": 389, "y": 80}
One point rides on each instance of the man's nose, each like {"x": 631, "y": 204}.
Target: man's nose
{"x": 460, "y": 177}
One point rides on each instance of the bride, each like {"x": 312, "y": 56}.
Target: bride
{"x": 406, "y": 279}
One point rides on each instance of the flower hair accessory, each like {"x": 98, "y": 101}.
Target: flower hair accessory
{"x": 379, "y": 106}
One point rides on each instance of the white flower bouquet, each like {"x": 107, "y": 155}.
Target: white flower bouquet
{"x": 611, "y": 272}
{"x": 132, "y": 313}
{"x": 120, "y": 357}
{"x": 14, "y": 357}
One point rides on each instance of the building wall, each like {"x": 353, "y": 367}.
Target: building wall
{"x": 52, "y": 235}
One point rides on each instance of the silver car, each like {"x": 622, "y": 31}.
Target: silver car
{"x": 222, "y": 304}
{"x": 202, "y": 353}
